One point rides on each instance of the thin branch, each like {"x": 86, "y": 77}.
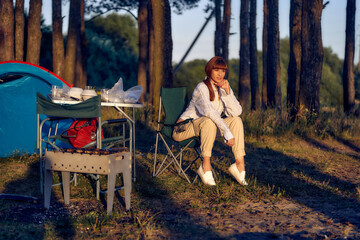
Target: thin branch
{"x": 116, "y": 9}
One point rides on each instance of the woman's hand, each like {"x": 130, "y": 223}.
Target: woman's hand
{"x": 224, "y": 84}
{"x": 230, "y": 142}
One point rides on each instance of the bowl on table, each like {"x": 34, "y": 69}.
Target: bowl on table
{"x": 75, "y": 93}
{"x": 88, "y": 93}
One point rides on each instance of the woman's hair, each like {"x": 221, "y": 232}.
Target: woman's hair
{"x": 214, "y": 63}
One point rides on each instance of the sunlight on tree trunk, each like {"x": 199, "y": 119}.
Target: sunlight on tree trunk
{"x": 273, "y": 58}
{"x": 254, "y": 81}
{"x": 57, "y": 39}
{"x": 312, "y": 55}
{"x": 218, "y": 30}
{"x": 348, "y": 76}
{"x": 143, "y": 47}
{"x": 34, "y": 32}
{"x": 244, "y": 68}
{"x": 72, "y": 38}
{"x": 80, "y": 62}
{"x": 264, "y": 97}
{"x": 294, "y": 69}
{"x": 19, "y": 30}
{"x": 162, "y": 51}
{"x": 6, "y": 30}
{"x": 226, "y": 30}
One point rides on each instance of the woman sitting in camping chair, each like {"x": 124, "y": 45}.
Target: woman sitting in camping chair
{"x": 210, "y": 99}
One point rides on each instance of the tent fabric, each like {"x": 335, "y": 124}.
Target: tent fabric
{"x": 18, "y": 105}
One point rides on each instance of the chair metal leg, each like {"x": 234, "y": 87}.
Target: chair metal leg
{"x": 155, "y": 157}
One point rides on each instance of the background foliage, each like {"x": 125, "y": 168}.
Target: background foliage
{"x": 113, "y": 53}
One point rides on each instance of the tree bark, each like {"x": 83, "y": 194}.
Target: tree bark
{"x": 218, "y": 29}
{"x": 19, "y": 30}
{"x": 273, "y": 58}
{"x": 80, "y": 65}
{"x": 312, "y": 55}
{"x": 143, "y": 48}
{"x": 264, "y": 94}
{"x": 254, "y": 81}
{"x": 348, "y": 76}
{"x": 34, "y": 32}
{"x": 6, "y": 30}
{"x": 244, "y": 68}
{"x": 226, "y": 30}
{"x": 162, "y": 51}
{"x": 57, "y": 39}
{"x": 151, "y": 53}
{"x": 71, "y": 43}
{"x": 294, "y": 69}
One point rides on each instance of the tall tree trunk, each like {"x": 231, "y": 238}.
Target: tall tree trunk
{"x": 168, "y": 47}
{"x": 254, "y": 81}
{"x": 294, "y": 69}
{"x": 348, "y": 76}
{"x": 312, "y": 55}
{"x": 80, "y": 65}
{"x": 143, "y": 47}
{"x": 6, "y": 30}
{"x": 57, "y": 39}
{"x": 162, "y": 52}
{"x": 71, "y": 43}
{"x": 226, "y": 30}
{"x": 19, "y": 30}
{"x": 151, "y": 38}
{"x": 218, "y": 29}
{"x": 244, "y": 68}
{"x": 34, "y": 32}
{"x": 273, "y": 58}
{"x": 264, "y": 94}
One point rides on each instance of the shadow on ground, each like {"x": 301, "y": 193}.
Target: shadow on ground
{"x": 30, "y": 220}
{"x": 305, "y": 183}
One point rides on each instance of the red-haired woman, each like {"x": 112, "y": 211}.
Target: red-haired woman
{"x": 210, "y": 99}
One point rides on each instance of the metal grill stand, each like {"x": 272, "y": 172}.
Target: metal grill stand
{"x": 106, "y": 164}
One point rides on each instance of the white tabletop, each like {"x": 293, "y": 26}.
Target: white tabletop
{"x": 105, "y": 104}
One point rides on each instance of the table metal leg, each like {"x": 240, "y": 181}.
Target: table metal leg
{"x": 134, "y": 147}
{"x": 132, "y": 120}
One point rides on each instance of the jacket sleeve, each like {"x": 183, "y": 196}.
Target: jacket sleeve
{"x": 203, "y": 106}
{"x": 232, "y": 107}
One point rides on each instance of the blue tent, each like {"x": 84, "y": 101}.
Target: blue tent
{"x": 19, "y": 82}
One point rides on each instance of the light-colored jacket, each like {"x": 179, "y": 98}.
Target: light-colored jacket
{"x": 200, "y": 106}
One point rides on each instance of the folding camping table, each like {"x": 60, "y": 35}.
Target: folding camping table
{"x": 120, "y": 108}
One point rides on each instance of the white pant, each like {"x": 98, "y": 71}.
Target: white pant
{"x": 206, "y": 129}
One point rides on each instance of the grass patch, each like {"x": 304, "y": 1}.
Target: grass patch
{"x": 294, "y": 170}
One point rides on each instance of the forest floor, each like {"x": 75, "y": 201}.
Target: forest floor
{"x": 300, "y": 187}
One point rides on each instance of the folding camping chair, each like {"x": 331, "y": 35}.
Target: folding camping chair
{"x": 173, "y": 101}
{"x": 57, "y": 113}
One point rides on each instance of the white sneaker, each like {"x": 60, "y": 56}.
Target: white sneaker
{"x": 239, "y": 176}
{"x": 207, "y": 177}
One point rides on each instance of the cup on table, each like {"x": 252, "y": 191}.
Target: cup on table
{"x": 89, "y": 88}
{"x": 56, "y": 92}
